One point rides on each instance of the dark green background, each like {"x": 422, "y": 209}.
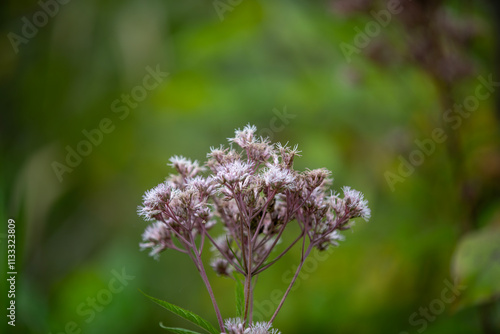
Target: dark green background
{"x": 262, "y": 59}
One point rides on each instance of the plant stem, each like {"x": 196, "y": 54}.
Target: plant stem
{"x": 268, "y": 252}
{"x": 291, "y": 283}
{"x": 250, "y": 315}
{"x": 261, "y": 269}
{"x": 234, "y": 264}
{"x": 248, "y": 290}
{"x": 248, "y": 278}
{"x": 204, "y": 277}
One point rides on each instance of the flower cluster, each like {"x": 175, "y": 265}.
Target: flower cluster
{"x": 254, "y": 192}
{"x": 179, "y": 206}
{"x": 157, "y": 237}
{"x": 236, "y": 326}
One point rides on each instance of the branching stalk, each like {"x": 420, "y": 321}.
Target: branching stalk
{"x": 291, "y": 283}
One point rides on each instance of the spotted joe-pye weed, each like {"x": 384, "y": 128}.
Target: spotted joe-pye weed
{"x": 251, "y": 188}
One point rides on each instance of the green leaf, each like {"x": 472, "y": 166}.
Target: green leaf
{"x": 188, "y": 315}
{"x": 476, "y": 264}
{"x": 240, "y": 297}
{"x": 178, "y": 330}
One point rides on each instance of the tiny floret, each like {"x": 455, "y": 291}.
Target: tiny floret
{"x": 157, "y": 237}
{"x": 221, "y": 266}
{"x": 261, "y": 328}
{"x": 315, "y": 178}
{"x": 236, "y": 326}
{"x": 244, "y": 137}
{"x": 185, "y": 167}
{"x": 154, "y": 201}
{"x": 237, "y": 171}
{"x": 355, "y": 204}
{"x": 278, "y": 178}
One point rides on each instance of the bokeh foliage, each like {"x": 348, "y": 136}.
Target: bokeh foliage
{"x": 263, "y": 59}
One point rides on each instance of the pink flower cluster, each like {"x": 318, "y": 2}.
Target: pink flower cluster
{"x": 253, "y": 191}
{"x": 237, "y": 326}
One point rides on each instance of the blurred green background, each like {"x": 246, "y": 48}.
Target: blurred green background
{"x": 282, "y": 66}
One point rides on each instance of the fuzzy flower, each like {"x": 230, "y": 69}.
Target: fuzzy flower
{"x": 157, "y": 237}
{"x": 185, "y": 167}
{"x": 235, "y": 326}
{"x": 205, "y": 186}
{"x": 287, "y": 154}
{"x": 154, "y": 201}
{"x": 233, "y": 172}
{"x": 221, "y": 156}
{"x": 218, "y": 153}
{"x": 187, "y": 205}
{"x": 355, "y": 204}
{"x": 259, "y": 151}
{"x": 261, "y": 328}
{"x": 216, "y": 166}
{"x": 244, "y": 137}
{"x": 332, "y": 238}
{"x": 337, "y": 204}
{"x": 278, "y": 178}
{"x": 221, "y": 266}
{"x": 222, "y": 244}
{"x": 315, "y": 178}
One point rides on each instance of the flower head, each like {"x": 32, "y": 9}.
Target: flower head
{"x": 355, "y": 204}
{"x": 237, "y": 171}
{"x": 221, "y": 266}
{"x": 236, "y": 326}
{"x": 244, "y": 137}
{"x": 331, "y": 238}
{"x": 221, "y": 156}
{"x": 261, "y": 328}
{"x": 154, "y": 201}
{"x": 205, "y": 186}
{"x": 277, "y": 177}
{"x": 315, "y": 178}
{"x": 287, "y": 154}
{"x": 259, "y": 151}
{"x": 185, "y": 167}
{"x": 157, "y": 237}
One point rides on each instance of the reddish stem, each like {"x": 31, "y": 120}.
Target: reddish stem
{"x": 304, "y": 256}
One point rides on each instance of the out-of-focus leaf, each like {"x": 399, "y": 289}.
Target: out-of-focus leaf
{"x": 178, "y": 330}
{"x": 240, "y": 297}
{"x": 476, "y": 264}
{"x": 188, "y": 315}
